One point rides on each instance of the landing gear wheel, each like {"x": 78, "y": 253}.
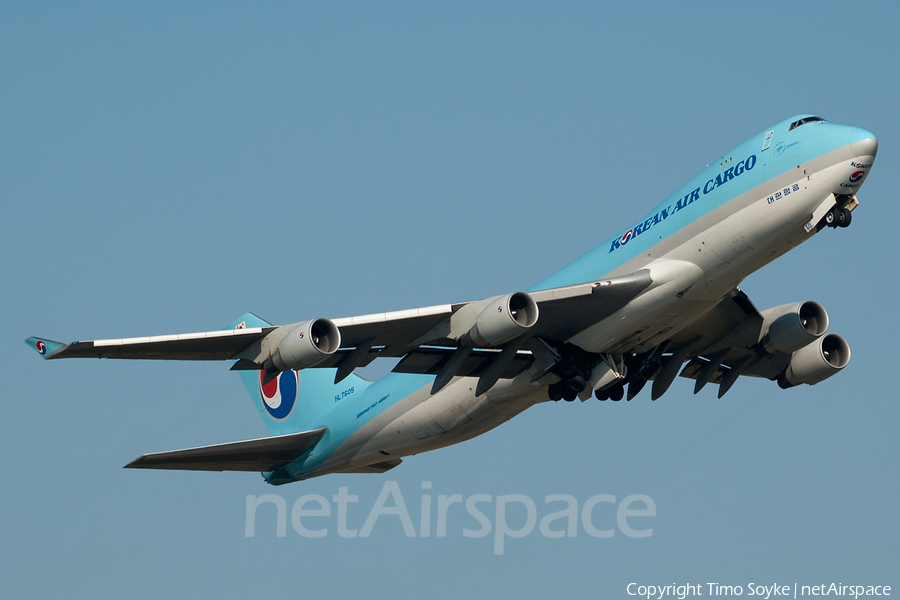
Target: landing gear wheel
{"x": 617, "y": 393}
{"x": 601, "y": 395}
{"x": 576, "y": 384}
{"x": 567, "y": 368}
{"x": 569, "y": 395}
{"x": 555, "y": 391}
{"x": 846, "y": 217}
{"x": 831, "y": 218}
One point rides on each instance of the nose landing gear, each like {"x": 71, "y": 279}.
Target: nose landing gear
{"x": 837, "y": 217}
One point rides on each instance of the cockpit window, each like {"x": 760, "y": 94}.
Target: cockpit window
{"x": 804, "y": 121}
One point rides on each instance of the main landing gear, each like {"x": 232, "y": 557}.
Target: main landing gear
{"x": 573, "y": 371}
{"x": 611, "y": 374}
{"x": 576, "y": 369}
{"x": 569, "y": 389}
{"x": 572, "y": 380}
{"x": 615, "y": 393}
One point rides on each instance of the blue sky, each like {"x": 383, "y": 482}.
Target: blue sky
{"x": 166, "y": 167}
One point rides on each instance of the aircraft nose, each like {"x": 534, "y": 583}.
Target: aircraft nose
{"x": 863, "y": 142}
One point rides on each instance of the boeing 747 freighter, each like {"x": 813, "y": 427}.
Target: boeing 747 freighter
{"x": 659, "y": 299}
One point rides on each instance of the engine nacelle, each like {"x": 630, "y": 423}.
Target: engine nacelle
{"x": 305, "y": 345}
{"x": 502, "y": 319}
{"x": 817, "y": 361}
{"x": 794, "y": 326}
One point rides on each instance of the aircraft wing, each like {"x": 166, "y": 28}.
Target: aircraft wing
{"x": 564, "y": 311}
{"x": 729, "y": 340}
{"x": 786, "y": 343}
{"x": 207, "y": 345}
{"x": 426, "y": 332}
{"x": 264, "y": 454}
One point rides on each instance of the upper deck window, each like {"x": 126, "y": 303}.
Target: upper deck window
{"x": 804, "y": 121}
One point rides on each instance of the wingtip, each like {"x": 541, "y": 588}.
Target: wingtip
{"x": 139, "y": 463}
{"x": 46, "y": 348}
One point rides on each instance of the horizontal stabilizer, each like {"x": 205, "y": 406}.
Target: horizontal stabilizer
{"x": 265, "y": 454}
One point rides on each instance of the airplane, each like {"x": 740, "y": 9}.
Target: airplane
{"x": 659, "y": 299}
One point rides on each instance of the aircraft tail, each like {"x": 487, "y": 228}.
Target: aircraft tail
{"x": 293, "y": 400}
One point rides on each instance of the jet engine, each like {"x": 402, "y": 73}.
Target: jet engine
{"x": 794, "y": 326}
{"x": 305, "y": 345}
{"x": 500, "y": 320}
{"x": 817, "y": 361}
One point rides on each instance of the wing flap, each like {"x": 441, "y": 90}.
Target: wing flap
{"x": 397, "y": 328}
{"x": 693, "y": 368}
{"x": 429, "y": 361}
{"x": 262, "y": 455}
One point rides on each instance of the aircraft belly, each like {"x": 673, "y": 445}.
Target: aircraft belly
{"x": 452, "y": 415}
{"x": 644, "y": 315}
